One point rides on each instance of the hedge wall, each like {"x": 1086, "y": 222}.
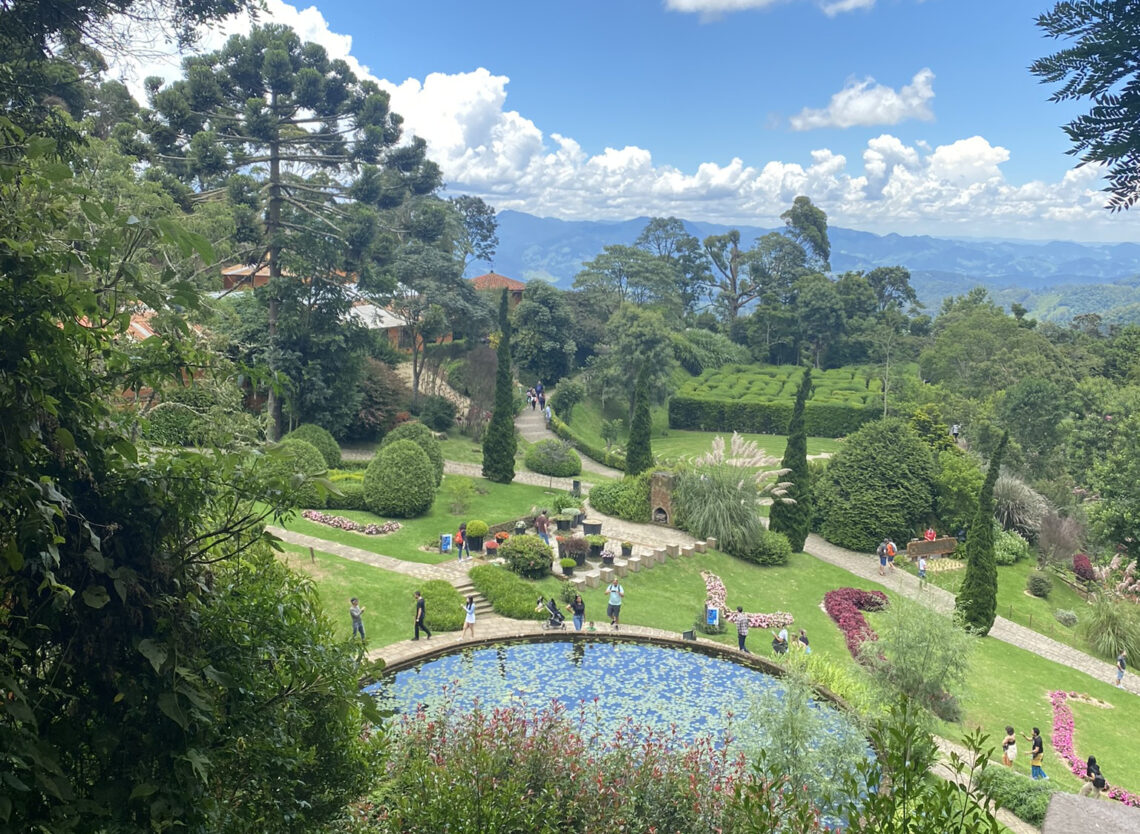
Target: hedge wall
{"x": 704, "y": 413}
{"x": 509, "y": 594}
{"x": 598, "y": 453}
{"x": 443, "y": 605}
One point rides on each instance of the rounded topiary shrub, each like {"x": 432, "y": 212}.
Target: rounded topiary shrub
{"x": 438, "y": 413}
{"x": 287, "y": 465}
{"x": 1065, "y": 617}
{"x": 443, "y": 605}
{"x": 768, "y": 549}
{"x": 421, "y": 435}
{"x": 400, "y": 481}
{"x": 553, "y": 457}
{"x": 351, "y": 496}
{"x": 172, "y": 424}
{"x": 321, "y": 438}
{"x": 1039, "y": 584}
{"x": 527, "y": 556}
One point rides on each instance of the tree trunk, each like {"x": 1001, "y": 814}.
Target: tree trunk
{"x": 272, "y": 226}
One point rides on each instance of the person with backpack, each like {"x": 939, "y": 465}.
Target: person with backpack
{"x": 891, "y": 552}
{"x": 881, "y": 552}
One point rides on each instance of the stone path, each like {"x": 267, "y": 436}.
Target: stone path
{"x": 532, "y": 426}
{"x": 866, "y": 567}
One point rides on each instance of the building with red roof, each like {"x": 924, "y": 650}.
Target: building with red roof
{"x": 492, "y": 281}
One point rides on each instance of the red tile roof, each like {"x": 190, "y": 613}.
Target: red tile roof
{"x": 494, "y": 281}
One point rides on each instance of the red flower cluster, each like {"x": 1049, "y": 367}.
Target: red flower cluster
{"x": 844, "y": 605}
{"x": 1083, "y": 568}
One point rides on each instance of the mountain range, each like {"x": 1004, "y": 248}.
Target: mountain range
{"x": 1053, "y": 279}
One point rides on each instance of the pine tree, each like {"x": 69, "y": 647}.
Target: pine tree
{"x": 500, "y": 443}
{"x": 976, "y": 605}
{"x": 639, "y": 455}
{"x": 794, "y": 519}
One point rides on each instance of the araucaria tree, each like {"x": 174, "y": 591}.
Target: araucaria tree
{"x": 500, "y": 443}
{"x": 793, "y": 517}
{"x": 976, "y": 605}
{"x": 638, "y": 454}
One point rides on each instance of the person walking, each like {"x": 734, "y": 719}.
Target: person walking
{"x": 1121, "y": 664}
{"x": 1036, "y": 754}
{"x": 613, "y": 610}
{"x": 891, "y": 551}
{"x": 461, "y": 547}
{"x": 803, "y": 638}
{"x": 881, "y": 552}
{"x": 546, "y": 413}
{"x": 954, "y": 430}
{"x": 577, "y": 609}
{"x": 356, "y": 612}
{"x": 542, "y": 526}
{"x": 1009, "y": 747}
{"x": 421, "y": 613}
{"x": 921, "y": 570}
{"x": 469, "y": 619}
{"x": 741, "y": 629}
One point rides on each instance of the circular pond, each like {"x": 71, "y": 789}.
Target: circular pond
{"x": 665, "y": 689}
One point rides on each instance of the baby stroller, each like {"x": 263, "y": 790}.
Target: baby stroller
{"x": 557, "y": 618}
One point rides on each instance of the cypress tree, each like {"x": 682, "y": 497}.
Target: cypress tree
{"x": 500, "y": 443}
{"x": 976, "y": 605}
{"x": 794, "y": 519}
{"x": 639, "y": 455}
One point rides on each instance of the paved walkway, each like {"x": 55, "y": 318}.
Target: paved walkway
{"x": 866, "y": 567}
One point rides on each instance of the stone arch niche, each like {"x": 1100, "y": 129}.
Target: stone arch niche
{"x": 661, "y": 498}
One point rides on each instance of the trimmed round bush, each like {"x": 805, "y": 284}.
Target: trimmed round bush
{"x": 477, "y": 528}
{"x": 768, "y": 549}
{"x": 400, "y": 481}
{"x": 438, "y": 413}
{"x": 1039, "y": 584}
{"x": 321, "y": 438}
{"x": 553, "y": 457}
{"x": 172, "y": 424}
{"x": 1010, "y": 547}
{"x": 509, "y": 595}
{"x": 287, "y": 463}
{"x": 1065, "y": 617}
{"x": 528, "y": 556}
{"x": 421, "y": 435}
{"x": 351, "y": 496}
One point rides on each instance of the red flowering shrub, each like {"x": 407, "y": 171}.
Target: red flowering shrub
{"x": 1083, "y": 568}
{"x": 845, "y": 605}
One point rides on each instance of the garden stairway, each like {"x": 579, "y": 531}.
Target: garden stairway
{"x": 482, "y": 606}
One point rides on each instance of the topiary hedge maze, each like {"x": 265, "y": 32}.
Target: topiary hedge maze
{"x": 750, "y": 398}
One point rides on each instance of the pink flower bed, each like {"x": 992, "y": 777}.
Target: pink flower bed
{"x": 1064, "y": 744}
{"x": 716, "y": 592}
{"x": 845, "y": 606}
{"x": 342, "y": 523}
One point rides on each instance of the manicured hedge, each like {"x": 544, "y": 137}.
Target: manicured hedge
{"x": 509, "y": 594}
{"x": 627, "y": 498}
{"x": 422, "y": 436}
{"x": 351, "y": 496}
{"x": 287, "y": 460}
{"x": 400, "y": 481}
{"x": 528, "y": 556}
{"x": 553, "y": 457}
{"x": 768, "y": 549}
{"x": 321, "y": 438}
{"x": 598, "y": 453}
{"x": 1023, "y": 797}
{"x": 443, "y": 606}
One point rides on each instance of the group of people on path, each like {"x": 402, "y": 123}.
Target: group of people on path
{"x": 536, "y": 400}
{"x": 1036, "y": 753}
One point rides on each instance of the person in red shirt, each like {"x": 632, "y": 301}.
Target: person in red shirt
{"x": 930, "y": 534}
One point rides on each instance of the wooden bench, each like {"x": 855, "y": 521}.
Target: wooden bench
{"x": 943, "y": 546}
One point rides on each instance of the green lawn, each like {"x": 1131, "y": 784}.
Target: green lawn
{"x": 491, "y": 502}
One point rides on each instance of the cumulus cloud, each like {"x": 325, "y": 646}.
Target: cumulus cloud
{"x": 865, "y": 103}
{"x": 486, "y": 148}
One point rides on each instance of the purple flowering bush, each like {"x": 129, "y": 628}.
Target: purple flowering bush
{"x": 845, "y": 606}
{"x": 1065, "y": 745}
{"x": 342, "y": 523}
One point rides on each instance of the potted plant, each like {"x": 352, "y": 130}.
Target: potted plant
{"x": 502, "y": 536}
{"x": 476, "y": 531}
{"x": 626, "y": 549}
{"x": 596, "y": 543}
{"x": 492, "y": 548}
{"x": 574, "y": 548}
{"x": 565, "y": 521}
{"x": 592, "y": 527}
{"x": 607, "y": 557}
{"x": 568, "y": 566}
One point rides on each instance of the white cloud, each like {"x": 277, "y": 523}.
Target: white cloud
{"x": 866, "y": 103}
{"x": 840, "y": 6}
{"x": 485, "y": 148}
{"x": 711, "y": 9}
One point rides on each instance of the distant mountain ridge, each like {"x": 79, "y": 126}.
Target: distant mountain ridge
{"x": 553, "y": 250}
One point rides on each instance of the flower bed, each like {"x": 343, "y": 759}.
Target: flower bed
{"x": 1064, "y": 743}
{"x": 845, "y": 606}
{"x": 716, "y": 595}
{"x": 342, "y": 523}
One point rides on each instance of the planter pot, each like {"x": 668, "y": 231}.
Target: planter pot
{"x": 596, "y": 551}
{"x": 492, "y": 549}
{"x": 580, "y": 558}
{"x": 564, "y": 524}
{"x": 475, "y": 543}
{"x": 568, "y": 571}
{"x": 520, "y": 528}
{"x": 626, "y": 552}
{"x": 607, "y": 559}
{"x": 592, "y": 528}
{"x": 579, "y": 517}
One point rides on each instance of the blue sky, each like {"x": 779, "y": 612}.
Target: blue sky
{"x": 893, "y": 115}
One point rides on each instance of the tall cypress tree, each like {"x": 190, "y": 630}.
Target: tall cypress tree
{"x": 976, "y": 605}
{"x": 639, "y": 455}
{"x": 794, "y": 519}
{"x": 500, "y": 443}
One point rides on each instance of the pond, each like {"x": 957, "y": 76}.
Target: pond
{"x": 666, "y": 689}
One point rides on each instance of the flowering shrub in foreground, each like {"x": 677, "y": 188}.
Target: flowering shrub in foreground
{"x": 844, "y": 605}
{"x": 342, "y": 523}
{"x": 1064, "y": 744}
{"x": 716, "y": 594}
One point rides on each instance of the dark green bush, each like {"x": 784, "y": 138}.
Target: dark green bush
{"x": 768, "y": 549}
{"x": 568, "y": 394}
{"x": 509, "y": 594}
{"x": 1039, "y": 584}
{"x": 528, "y": 556}
{"x": 612, "y": 459}
{"x": 172, "y": 424}
{"x": 400, "y": 481}
{"x": 708, "y": 412}
{"x": 351, "y": 496}
{"x": 627, "y": 498}
{"x": 1065, "y": 617}
{"x": 477, "y": 528}
{"x": 1023, "y": 797}
{"x": 421, "y": 435}
{"x": 553, "y": 457}
{"x": 443, "y": 606}
{"x": 321, "y": 438}
{"x": 438, "y": 413}
{"x": 287, "y": 464}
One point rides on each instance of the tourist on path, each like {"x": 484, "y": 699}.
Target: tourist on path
{"x": 741, "y": 629}
{"x": 577, "y": 609}
{"x": 803, "y": 638}
{"x": 881, "y": 552}
{"x": 469, "y": 619}
{"x": 1037, "y": 754}
{"x": 891, "y": 551}
{"x": 1094, "y": 779}
{"x": 1009, "y": 747}
{"x": 1121, "y": 664}
{"x": 954, "y": 431}
{"x": 613, "y": 610}
{"x": 546, "y": 413}
{"x": 921, "y": 569}
{"x": 421, "y": 612}
{"x": 357, "y": 614}
{"x": 461, "y": 542}
{"x": 542, "y": 526}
